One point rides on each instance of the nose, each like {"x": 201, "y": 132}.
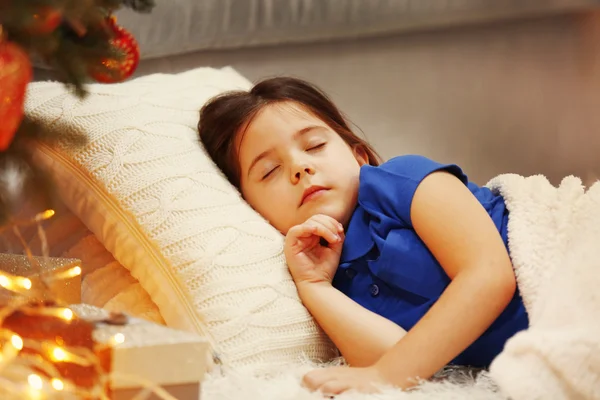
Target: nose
{"x": 300, "y": 170}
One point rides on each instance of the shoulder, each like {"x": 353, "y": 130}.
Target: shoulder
{"x": 414, "y": 167}
{"x": 390, "y": 187}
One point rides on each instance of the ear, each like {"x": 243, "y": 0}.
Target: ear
{"x": 361, "y": 155}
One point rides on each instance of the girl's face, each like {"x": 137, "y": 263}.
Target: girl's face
{"x": 293, "y": 166}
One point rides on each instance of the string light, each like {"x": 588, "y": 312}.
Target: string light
{"x": 58, "y": 354}
{"x": 70, "y": 273}
{"x": 119, "y": 338}
{"x": 35, "y": 381}
{"x": 29, "y": 366}
{"x": 24, "y": 374}
{"x": 11, "y": 347}
{"x": 57, "y": 384}
{"x": 44, "y": 215}
{"x": 26, "y": 283}
{"x": 67, "y": 314}
{"x": 17, "y": 342}
{"x": 14, "y": 283}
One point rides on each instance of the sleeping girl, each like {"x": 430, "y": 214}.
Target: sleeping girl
{"x": 404, "y": 264}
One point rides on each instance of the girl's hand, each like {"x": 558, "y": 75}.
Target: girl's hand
{"x": 336, "y": 380}
{"x": 312, "y": 249}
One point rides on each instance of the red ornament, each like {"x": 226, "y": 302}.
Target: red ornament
{"x": 15, "y": 73}
{"x": 43, "y": 21}
{"x": 114, "y": 69}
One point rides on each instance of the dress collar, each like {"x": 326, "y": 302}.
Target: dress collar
{"x": 358, "y": 240}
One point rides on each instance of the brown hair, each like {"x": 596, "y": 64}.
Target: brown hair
{"x": 222, "y": 118}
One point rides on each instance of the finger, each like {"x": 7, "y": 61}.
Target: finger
{"x": 326, "y": 220}
{"x": 337, "y": 247}
{"x": 334, "y": 387}
{"x": 310, "y": 234}
{"x": 315, "y": 378}
{"x": 302, "y": 231}
{"x": 324, "y": 230}
{"x": 332, "y": 223}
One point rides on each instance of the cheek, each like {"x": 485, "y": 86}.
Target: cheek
{"x": 253, "y": 197}
{"x": 272, "y": 203}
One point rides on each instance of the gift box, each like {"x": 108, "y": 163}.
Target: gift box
{"x": 148, "y": 353}
{"x": 61, "y": 275}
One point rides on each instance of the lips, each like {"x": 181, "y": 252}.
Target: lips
{"x": 311, "y": 193}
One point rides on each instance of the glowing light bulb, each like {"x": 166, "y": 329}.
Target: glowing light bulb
{"x": 70, "y": 273}
{"x": 14, "y": 282}
{"x": 57, "y": 384}
{"x": 46, "y": 214}
{"x": 119, "y": 338}
{"x": 59, "y": 354}
{"x": 67, "y": 314}
{"x": 16, "y": 341}
{"x": 35, "y": 381}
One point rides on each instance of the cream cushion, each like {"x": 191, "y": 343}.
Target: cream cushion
{"x": 145, "y": 187}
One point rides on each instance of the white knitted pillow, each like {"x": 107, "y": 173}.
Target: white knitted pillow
{"x": 145, "y": 187}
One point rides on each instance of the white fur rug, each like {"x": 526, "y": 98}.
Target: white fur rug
{"x": 451, "y": 384}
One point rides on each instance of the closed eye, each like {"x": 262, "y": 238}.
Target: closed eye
{"x": 316, "y": 147}
{"x": 265, "y": 176}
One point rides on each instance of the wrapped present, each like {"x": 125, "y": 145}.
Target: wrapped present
{"x": 146, "y": 354}
{"x": 51, "y": 278}
{"x": 55, "y": 347}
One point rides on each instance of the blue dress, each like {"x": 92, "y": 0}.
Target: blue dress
{"x": 386, "y": 268}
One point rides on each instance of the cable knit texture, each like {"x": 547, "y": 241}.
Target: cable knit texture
{"x": 145, "y": 187}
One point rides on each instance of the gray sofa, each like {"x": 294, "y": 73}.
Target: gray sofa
{"x": 184, "y": 26}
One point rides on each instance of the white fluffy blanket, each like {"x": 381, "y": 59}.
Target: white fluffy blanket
{"x": 554, "y": 239}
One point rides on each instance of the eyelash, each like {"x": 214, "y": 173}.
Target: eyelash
{"x": 269, "y": 173}
{"x": 317, "y": 147}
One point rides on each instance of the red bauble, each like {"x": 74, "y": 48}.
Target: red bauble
{"x": 114, "y": 69}
{"x": 43, "y": 21}
{"x": 15, "y": 74}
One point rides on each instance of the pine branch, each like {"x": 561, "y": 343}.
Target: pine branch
{"x": 74, "y": 38}
{"x": 75, "y": 57}
{"x": 81, "y": 42}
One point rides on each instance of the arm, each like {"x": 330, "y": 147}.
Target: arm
{"x": 462, "y": 237}
{"x": 361, "y": 335}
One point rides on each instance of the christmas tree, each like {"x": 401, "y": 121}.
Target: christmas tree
{"x": 46, "y": 351}
{"x": 81, "y": 41}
